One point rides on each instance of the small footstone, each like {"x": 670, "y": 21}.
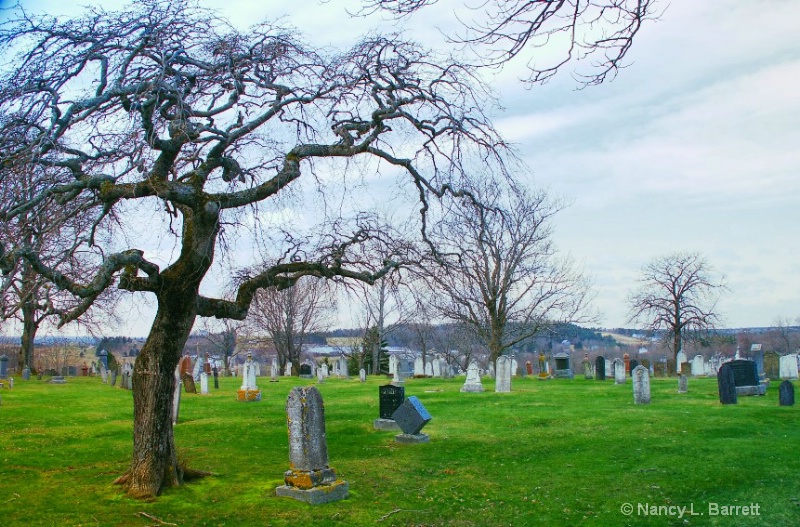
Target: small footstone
{"x": 411, "y": 439}
{"x": 386, "y": 424}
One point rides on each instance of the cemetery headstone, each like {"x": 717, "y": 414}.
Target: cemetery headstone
{"x": 503, "y": 375}
{"x": 58, "y": 379}
{"x": 619, "y": 372}
{"x": 419, "y": 367}
{"x": 672, "y": 367}
{"x": 305, "y": 371}
{"x": 411, "y": 417}
{"x": 473, "y": 381}
{"x": 287, "y": 369}
{"x": 600, "y": 368}
{"x": 746, "y": 378}
{"x": 626, "y": 359}
{"x": 215, "y": 372}
{"x": 727, "y": 384}
{"x": 587, "y": 369}
{"x": 362, "y": 375}
{"x": 249, "y": 391}
{"x": 786, "y": 394}
{"x": 659, "y": 369}
{"x": 3, "y": 366}
{"x": 203, "y": 383}
{"x": 683, "y": 384}
{"x": 632, "y": 365}
{"x": 772, "y": 367}
{"x": 788, "y": 365}
{"x": 26, "y": 374}
{"x": 113, "y": 377}
{"x": 429, "y": 369}
{"x": 320, "y": 376}
{"x": 698, "y": 367}
{"x": 641, "y": 385}
{"x": 310, "y": 478}
{"x": 274, "y": 371}
{"x": 563, "y": 369}
{"x": 188, "y": 383}
{"x": 529, "y": 367}
{"x": 390, "y": 397}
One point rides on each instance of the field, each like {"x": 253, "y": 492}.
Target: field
{"x": 561, "y": 452}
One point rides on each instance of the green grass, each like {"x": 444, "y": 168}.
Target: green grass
{"x": 551, "y": 453}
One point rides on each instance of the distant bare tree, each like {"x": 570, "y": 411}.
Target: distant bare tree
{"x": 223, "y": 337}
{"x": 384, "y": 309}
{"x": 785, "y": 335}
{"x": 289, "y": 315}
{"x": 678, "y": 293}
{"x": 499, "y": 272}
{"x": 600, "y": 32}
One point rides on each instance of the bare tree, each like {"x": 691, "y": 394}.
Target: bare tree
{"x": 289, "y": 315}
{"x": 163, "y": 120}
{"x": 600, "y": 32}
{"x": 678, "y": 293}
{"x": 500, "y": 274}
{"x": 223, "y": 337}
{"x": 785, "y": 335}
{"x": 384, "y": 310}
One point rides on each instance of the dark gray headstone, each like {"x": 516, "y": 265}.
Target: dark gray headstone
{"x": 600, "y": 368}
{"x": 632, "y": 365}
{"x": 683, "y": 384}
{"x": 390, "y": 398}
{"x": 411, "y": 416}
{"x": 113, "y": 377}
{"x": 727, "y": 384}
{"x": 216, "y": 376}
{"x": 745, "y": 372}
{"x": 305, "y": 369}
{"x": 786, "y": 394}
{"x": 26, "y": 374}
{"x": 3, "y": 366}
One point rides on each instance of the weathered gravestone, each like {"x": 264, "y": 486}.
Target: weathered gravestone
{"x": 362, "y": 375}
{"x": 305, "y": 371}
{"x": 789, "y": 366}
{"x": 310, "y": 479}
{"x": 683, "y": 384}
{"x": 26, "y": 374}
{"x": 660, "y": 369}
{"x": 113, "y": 377}
{"x": 727, "y": 384}
{"x": 745, "y": 377}
{"x": 587, "y": 368}
{"x": 188, "y": 383}
{"x": 786, "y": 394}
{"x": 203, "y": 383}
{"x": 473, "y": 381}
{"x": 390, "y": 397}
{"x": 58, "y": 379}
{"x": 3, "y": 366}
{"x": 215, "y": 372}
{"x": 619, "y": 372}
{"x": 563, "y": 371}
{"x": 772, "y": 367}
{"x": 671, "y": 367}
{"x": 411, "y": 417}
{"x": 641, "y": 385}
{"x": 600, "y": 368}
{"x": 503, "y": 376}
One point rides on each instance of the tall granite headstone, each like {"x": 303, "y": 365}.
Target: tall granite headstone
{"x": 641, "y": 385}
{"x": 310, "y": 479}
{"x": 600, "y": 368}
{"x": 786, "y": 394}
{"x": 503, "y": 374}
{"x": 619, "y": 372}
{"x": 683, "y": 384}
{"x": 727, "y": 384}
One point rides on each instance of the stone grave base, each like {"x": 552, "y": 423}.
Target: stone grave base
{"x": 564, "y": 374}
{"x": 58, "y": 380}
{"x": 386, "y": 424}
{"x": 317, "y": 495}
{"x": 543, "y": 376}
{"x": 761, "y": 389}
{"x": 412, "y": 439}
{"x": 474, "y": 388}
{"x": 248, "y": 395}
{"x": 307, "y": 377}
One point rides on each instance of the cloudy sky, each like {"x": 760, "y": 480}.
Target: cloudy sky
{"x": 695, "y": 146}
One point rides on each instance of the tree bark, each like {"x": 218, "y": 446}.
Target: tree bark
{"x": 155, "y": 462}
{"x": 29, "y": 328}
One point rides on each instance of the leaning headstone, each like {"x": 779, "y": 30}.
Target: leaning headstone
{"x": 473, "y": 382}
{"x": 619, "y": 372}
{"x": 503, "y": 376}
{"x": 411, "y": 417}
{"x": 786, "y": 394}
{"x": 726, "y": 384}
{"x": 683, "y": 384}
{"x": 310, "y": 479}
{"x": 390, "y": 397}
{"x": 26, "y": 374}
{"x": 641, "y": 385}
{"x": 600, "y": 368}
{"x": 188, "y": 383}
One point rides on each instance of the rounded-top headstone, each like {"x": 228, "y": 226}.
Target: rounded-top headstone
{"x": 786, "y": 393}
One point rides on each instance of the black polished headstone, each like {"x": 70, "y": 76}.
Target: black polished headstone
{"x": 745, "y": 372}
{"x": 411, "y": 416}
{"x": 727, "y": 384}
{"x": 786, "y": 394}
{"x": 305, "y": 369}
{"x": 215, "y": 371}
{"x": 390, "y": 398}
{"x": 600, "y": 368}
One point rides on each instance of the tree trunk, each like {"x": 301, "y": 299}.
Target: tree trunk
{"x": 29, "y": 328}
{"x": 155, "y": 461}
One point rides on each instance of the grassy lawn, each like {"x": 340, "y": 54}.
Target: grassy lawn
{"x": 562, "y": 452}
